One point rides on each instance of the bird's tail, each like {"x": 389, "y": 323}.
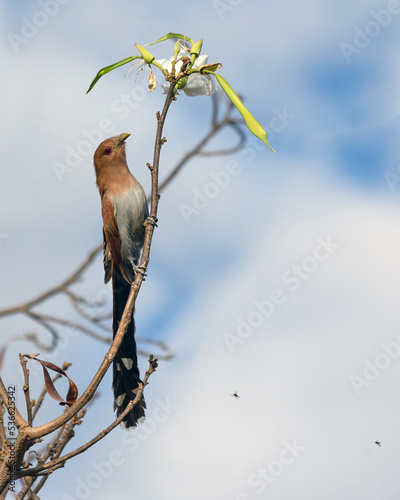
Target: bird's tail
{"x": 126, "y": 377}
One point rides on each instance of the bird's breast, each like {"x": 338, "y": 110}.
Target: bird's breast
{"x": 130, "y": 213}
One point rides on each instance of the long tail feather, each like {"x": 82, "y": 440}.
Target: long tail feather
{"x": 126, "y": 377}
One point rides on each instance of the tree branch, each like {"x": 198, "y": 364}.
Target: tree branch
{"x": 56, "y": 462}
{"x": 28, "y": 401}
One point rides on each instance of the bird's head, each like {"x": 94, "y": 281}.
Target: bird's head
{"x": 111, "y": 153}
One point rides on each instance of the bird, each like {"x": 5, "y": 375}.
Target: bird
{"x": 124, "y": 210}
{"x": 378, "y": 443}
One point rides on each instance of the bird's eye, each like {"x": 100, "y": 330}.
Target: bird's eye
{"x": 107, "y": 151}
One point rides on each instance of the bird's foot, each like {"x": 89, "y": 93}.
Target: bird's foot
{"x": 151, "y": 221}
{"x": 140, "y": 270}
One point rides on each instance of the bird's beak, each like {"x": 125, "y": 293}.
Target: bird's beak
{"x": 121, "y": 139}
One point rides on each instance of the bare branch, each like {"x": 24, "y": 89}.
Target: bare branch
{"x": 216, "y": 125}
{"x": 28, "y": 401}
{"x": 59, "y": 445}
{"x": 41, "y": 397}
{"x": 61, "y": 460}
{"x": 57, "y": 289}
{"x": 46, "y": 318}
{"x": 229, "y": 151}
{"x": 19, "y": 420}
{"x": 165, "y": 352}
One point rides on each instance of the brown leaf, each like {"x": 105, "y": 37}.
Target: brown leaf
{"x": 72, "y": 395}
{"x": 152, "y": 81}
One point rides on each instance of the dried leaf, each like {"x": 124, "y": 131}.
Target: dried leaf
{"x": 152, "y": 81}
{"x": 72, "y": 394}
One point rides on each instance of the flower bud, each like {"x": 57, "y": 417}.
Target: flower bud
{"x": 181, "y": 83}
{"x": 148, "y": 57}
{"x": 177, "y": 48}
{"x": 195, "y": 51}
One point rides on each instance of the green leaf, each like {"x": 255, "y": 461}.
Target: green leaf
{"x": 168, "y": 36}
{"x": 107, "y": 69}
{"x": 252, "y": 124}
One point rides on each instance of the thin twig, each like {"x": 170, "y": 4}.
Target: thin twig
{"x": 52, "y": 447}
{"x": 19, "y": 420}
{"x": 57, "y": 289}
{"x": 164, "y": 355}
{"x": 67, "y": 436}
{"x": 44, "y": 318}
{"x": 41, "y": 397}
{"x": 25, "y": 488}
{"x": 54, "y": 450}
{"x": 28, "y": 401}
{"x": 228, "y": 151}
{"x": 197, "y": 151}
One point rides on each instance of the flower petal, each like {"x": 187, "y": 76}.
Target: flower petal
{"x": 199, "y": 85}
{"x": 200, "y": 61}
{"x": 165, "y": 63}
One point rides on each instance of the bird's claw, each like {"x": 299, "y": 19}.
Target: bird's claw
{"x": 151, "y": 221}
{"x": 140, "y": 270}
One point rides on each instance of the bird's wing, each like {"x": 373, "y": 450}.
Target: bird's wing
{"x": 106, "y": 259}
{"x": 112, "y": 242}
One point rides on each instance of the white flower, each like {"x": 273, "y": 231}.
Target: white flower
{"x": 196, "y": 84}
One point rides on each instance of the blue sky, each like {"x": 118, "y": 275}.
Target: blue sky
{"x": 304, "y": 426}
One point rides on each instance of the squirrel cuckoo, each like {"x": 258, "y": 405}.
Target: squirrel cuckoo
{"x": 124, "y": 210}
